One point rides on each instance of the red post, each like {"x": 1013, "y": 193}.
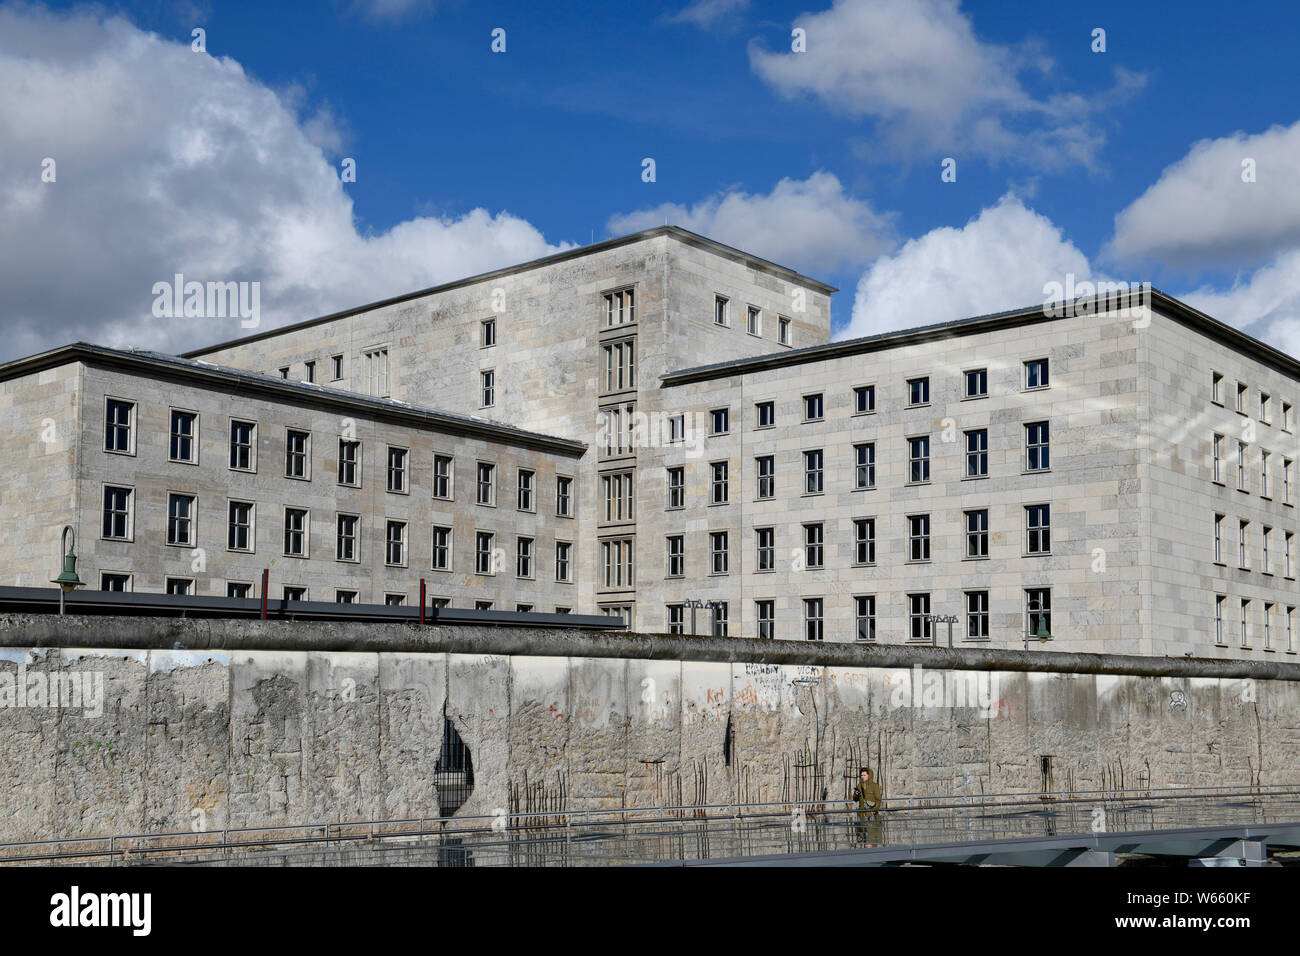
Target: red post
{"x": 266, "y": 578}
{"x": 421, "y": 600}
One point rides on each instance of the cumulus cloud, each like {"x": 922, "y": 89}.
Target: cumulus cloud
{"x": 172, "y": 161}
{"x": 1201, "y": 211}
{"x": 810, "y": 224}
{"x": 1002, "y": 259}
{"x": 1265, "y": 305}
{"x": 704, "y": 13}
{"x": 917, "y": 68}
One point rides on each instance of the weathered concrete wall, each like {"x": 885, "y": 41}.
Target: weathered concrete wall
{"x": 235, "y": 728}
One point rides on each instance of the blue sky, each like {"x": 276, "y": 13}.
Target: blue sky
{"x": 829, "y": 160}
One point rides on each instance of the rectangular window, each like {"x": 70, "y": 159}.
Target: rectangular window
{"x": 1241, "y": 466}
{"x": 676, "y": 619}
{"x": 117, "y": 513}
{"x": 1263, "y": 473}
{"x": 813, "y": 408}
{"x": 765, "y": 414}
{"x": 918, "y": 617}
{"x": 812, "y": 619}
{"x": 620, "y": 307}
{"x": 1036, "y": 373}
{"x": 718, "y": 483}
{"x": 718, "y": 552}
{"x": 721, "y": 615}
{"x": 864, "y": 607}
{"x": 116, "y": 582}
{"x": 397, "y": 470}
{"x": 336, "y": 367}
{"x": 765, "y": 540}
{"x": 239, "y": 526}
{"x": 918, "y": 453}
{"x": 977, "y": 533}
{"x": 918, "y": 391}
{"x": 766, "y": 476}
{"x": 488, "y": 333}
{"x": 184, "y": 447}
{"x": 676, "y": 488}
{"x": 309, "y": 370}
{"x": 1218, "y": 539}
{"x": 620, "y": 365}
{"x": 918, "y": 537}
{"x": 1219, "y": 601}
{"x": 783, "y": 330}
{"x": 295, "y": 532}
{"x": 345, "y": 548}
{"x": 442, "y": 549}
{"x": 180, "y": 586}
{"x": 284, "y": 372}
{"x": 864, "y": 460}
{"x": 616, "y": 563}
{"x": 242, "y": 443}
{"x": 487, "y": 388}
{"x": 1286, "y": 416}
{"x": 119, "y": 419}
{"x": 676, "y": 428}
{"x": 977, "y": 615}
{"x": 720, "y": 316}
{"x": 1268, "y": 626}
{"x": 1038, "y": 529}
{"x": 1243, "y": 540}
{"x": 564, "y": 496}
{"x": 563, "y": 561}
{"x": 864, "y": 540}
{"x": 719, "y": 421}
{"x": 812, "y": 472}
{"x": 1265, "y": 566}
{"x": 765, "y": 613}
{"x": 526, "y": 489}
{"x": 813, "y": 545}
{"x": 1216, "y": 388}
{"x": 238, "y": 589}
{"x": 1241, "y": 397}
{"x": 616, "y": 492}
{"x": 486, "y": 485}
{"x": 977, "y": 453}
{"x": 180, "y": 520}
{"x": 1218, "y": 457}
{"x": 484, "y": 543}
{"x": 1286, "y": 481}
{"x": 1287, "y": 537}
{"x": 864, "y": 399}
{"x": 1264, "y": 409}
{"x": 1245, "y": 622}
{"x": 676, "y": 556}
{"x": 297, "y": 444}
{"x": 377, "y": 372}
{"x": 523, "y": 557}
{"x": 977, "y": 383}
{"x": 1038, "y": 612}
{"x": 754, "y": 321}
{"x": 1037, "y": 447}
{"x": 395, "y": 544}
{"x": 1290, "y": 629}
{"x": 442, "y": 475}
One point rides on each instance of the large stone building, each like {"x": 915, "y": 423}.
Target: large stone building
{"x": 1117, "y": 478}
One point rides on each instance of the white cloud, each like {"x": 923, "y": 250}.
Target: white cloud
{"x": 918, "y": 69}
{"x": 1000, "y": 260}
{"x": 1266, "y": 305}
{"x": 171, "y": 161}
{"x": 810, "y": 224}
{"x": 704, "y": 13}
{"x": 1201, "y": 212}
{"x": 392, "y": 9}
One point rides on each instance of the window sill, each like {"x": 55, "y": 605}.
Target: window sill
{"x": 1036, "y": 388}
{"x": 763, "y": 428}
{"x": 111, "y": 451}
{"x": 984, "y": 557}
{"x": 975, "y": 478}
{"x": 1036, "y": 554}
{"x": 866, "y": 488}
{"x": 1216, "y": 481}
{"x": 863, "y": 414}
{"x": 297, "y": 478}
{"x": 1036, "y": 471}
{"x": 974, "y": 398}
{"x": 920, "y": 405}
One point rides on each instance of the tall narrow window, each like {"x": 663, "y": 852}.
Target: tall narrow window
{"x": 977, "y": 615}
{"x": 720, "y": 310}
{"x": 488, "y": 333}
{"x": 1243, "y": 536}
{"x": 813, "y": 545}
{"x": 395, "y": 543}
{"x": 783, "y": 330}
{"x": 864, "y": 607}
{"x": 812, "y": 619}
{"x": 864, "y": 540}
{"x": 295, "y": 453}
{"x": 564, "y": 496}
{"x": 766, "y": 476}
{"x": 526, "y": 489}
{"x": 346, "y": 541}
{"x": 563, "y": 561}
{"x": 1038, "y": 612}
{"x": 241, "y": 445}
{"x": 117, "y": 513}
{"x": 719, "y": 494}
{"x": 1245, "y": 622}
{"x": 977, "y": 533}
{"x": 918, "y": 451}
{"x": 864, "y": 474}
{"x": 918, "y": 617}
{"x": 765, "y": 539}
{"x": 718, "y": 552}
{"x": 1037, "y": 447}
{"x": 377, "y": 372}
{"x": 753, "y": 321}
{"x": 442, "y": 475}
{"x": 1218, "y": 457}
{"x": 1241, "y": 466}
{"x": 616, "y": 493}
{"x": 918, "y": 537}
{"x": 488, "y": 387}
{"x": 523, "y": 557}
{"x": 676, "y": 478}
{"x": 1218, "y": 539}
{"x": 676, "y": 545}
{"x": 1219, "y": 602}
{"x": 183, "y": 445}
{"x": 239, "y": 526}
{"x": 484, "y": 544}
{"x": 295, "y": 532}
{"x": 119, "y": 417}
{"x": 397, "y": 470}
{"x": 812, "y": 467}
{"x": 977, "y": 453}
{"x": 1038, "y": 529}
{"x": 765, "y": 613}
{"x": 180, "y": 519}
{"x": 486, "y": 483}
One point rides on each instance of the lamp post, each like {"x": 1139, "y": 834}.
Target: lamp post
{"x": 67, "y": 579}
{"x": 694, "y": 604}
{"x": 1042, "y": 634}
{"x": 949, "y": 619}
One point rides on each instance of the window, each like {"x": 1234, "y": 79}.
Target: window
{"x": 1287, "y": 537}
{"x": 918, "y": 537}
{"x": 1036, "y": 373}
{"x": 1241, "y": 466}
{"x": 442, "y": 477}
{"x": 487, "y": 388}
{"x": 109, "y": 581}
{"x": 1037, "y": 447}
{"x": 488, "y": 333}
{"x": 1263, "y": 473}
{"x": 523, "y": 557}
{"x": 377, "y": 372}
{"x": 1038, "y": 612}
{"x": 676, "y": 619}
{"x": 395, "y": 544}
{"x": 349, "y": 456}
{"x": 563, "y": 561}
{"x": 117, "y": 513}
{"x": 394, "y": 600}
{"x": 720, "y": 316}
{"x": 1290, "y": 630}
{"x": 484, "y": 542}
{"x": 295, "y": 593}
{"x": 812, "y": 472}
{"x": 1243, "y": 540}
{"x": 864, "y": 607}
{"x": 1286, "y": 416}
{"x": 1264, "y": 412}
{"x": 812, "y": 619}
{"x": 1218, "y": 457}
{"x": 617, "y": 494}
{"x": 180, "y": 586}
{"x": 616, "y": 563}
{"x": 1245, "y": 622}
{"x": 766, "y": 476}
{"x": 719, "y": 421}
{"x": 765, "y": 540}
{"x": 718, "y": 552}
{"x": 620, "y": 365}
{"x": 397, "y": 470}
{"x": 296, "y": 454}
{"x": 977, "y": 533}
{"x": 183, "y": 445}
{"x": 813, "y": 408}
{"x": 620, "y": 307}
{"x": 442, "y": 549}
{"x": 284, "y": 372}
{"x": 1216, "y": 388}
{"x": 918, "y": 450}
{"x": 242, "y": 445}
{"x": 977, "y": 383}
{"x": 295, "y": 532}
{"x": 977, "y": 615}
{"x": 1286, "y": 481}
{"x": 1219, "y": 601}
{"x": 765, "y": 612}
{"x": 676, "y": 488}
{"x": 119, "y": 419}
{"x": 1265, "y": 535}
{"x": 1218, "y": 539}
{"x": 813, "y": 542}
{"x": 864, "y": 399}
{"x": 718, "y": 494}
{"x": 564, "y": 496}
{"x": 1038, "y": 529}
{"x": 765, "y": 414}
{"x": 482, "y": 605}
{"x": 918, "y": 391}
{"x": 239, "y": 526}
{"x": 721, "y": 615}
{"x": 782, "y": 330}
{"x": 864, "y": 540}
{"x": 523, "y": 608}
{"x": 864, "y": 473}
{"x": 180, "y": 520}
{"x": 238, "y": 589}
{"x": 1241, "y": 397}
{"x": 486, "y": 483}
{"x": 977, "y": 453}
{"x": 526, "y": 489}
{"x": 918, "y": 617}
{"x": 676, "y": 428}
{"x": 336, "y": 367}
{"x": 676, "y": 555}
{"x": 754, "y": 321}
{"x": 309, "y": 369}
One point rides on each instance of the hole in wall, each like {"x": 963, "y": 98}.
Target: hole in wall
{"x": 454, "y": 772}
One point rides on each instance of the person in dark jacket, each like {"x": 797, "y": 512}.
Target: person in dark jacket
{"x": 869, "y": 799}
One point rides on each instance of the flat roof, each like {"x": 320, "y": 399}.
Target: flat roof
{"x": 236, "y": 381}
{"x": 1030, "y": 315}
{"x": 674, "y": 232}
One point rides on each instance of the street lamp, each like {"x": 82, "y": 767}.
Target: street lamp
{"x": 1042, "y": 634}
{"x": 949, "y": 619}
{"x": 67, "y": 579}
{"x": 696, "y": 603}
